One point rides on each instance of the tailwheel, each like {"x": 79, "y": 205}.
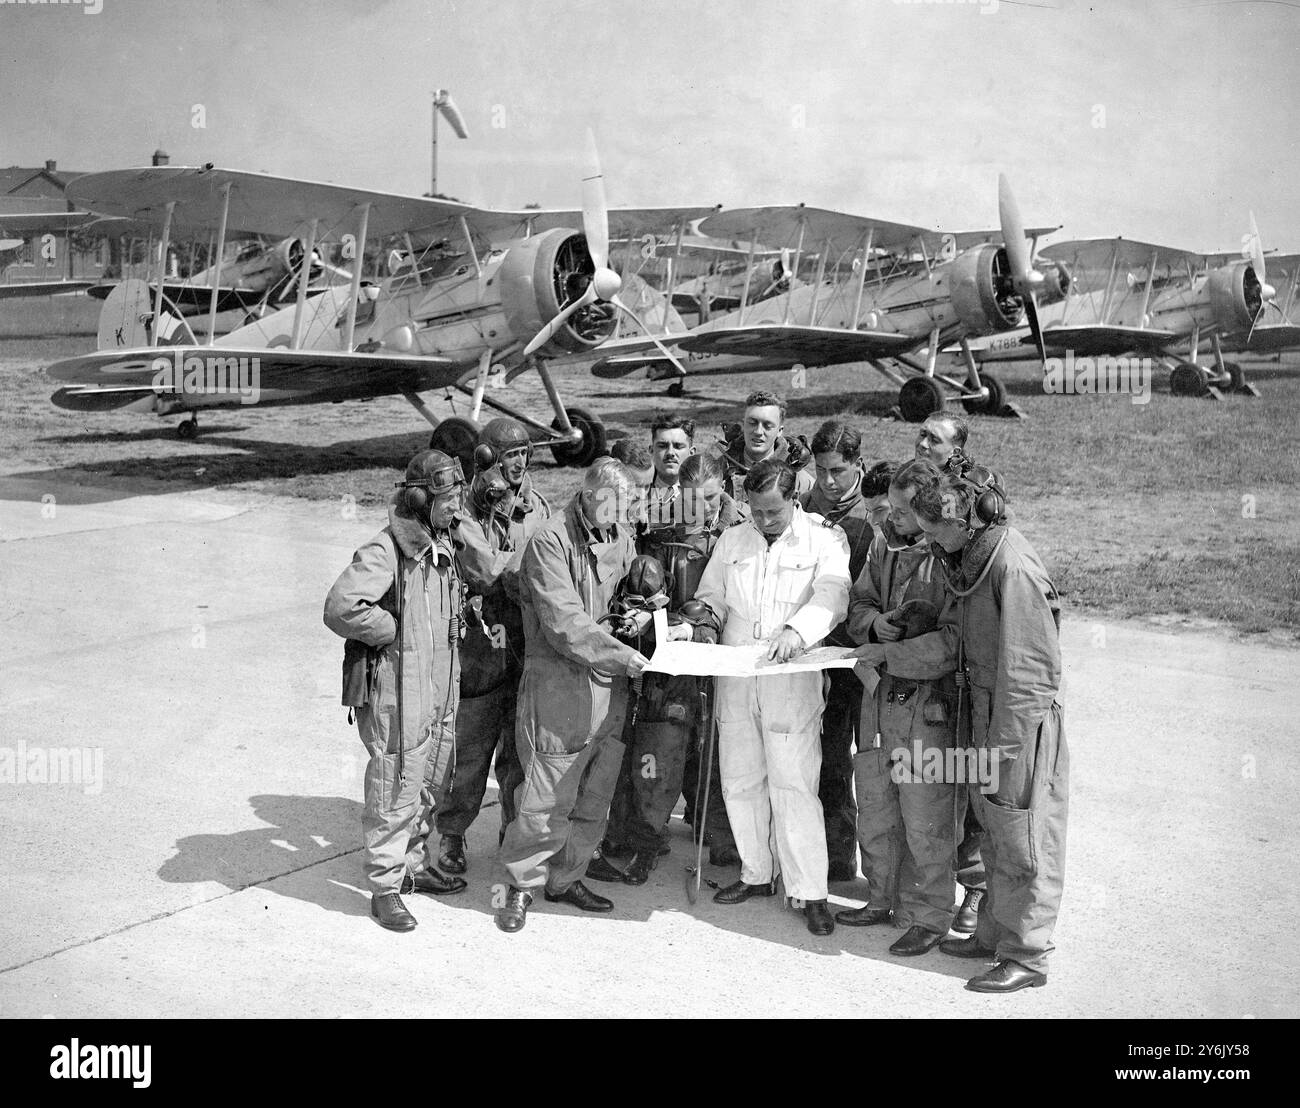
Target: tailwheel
{"x": 188, "y": 429}
{"x": 456, "y": 437}
{"x": 591, "y": 445}
{"x": 1188, "y": 380}
{"x": 919, "y": 398}
{"x": 991, "y": 404}
{"x": 677, "y": 388}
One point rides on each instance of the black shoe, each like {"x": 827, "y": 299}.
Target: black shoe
{"x": 818, "y": 917}
{"x": 600, "y": 869}
{"x": 726, "y": 855}
{"x": 969, "y": 913}
{"x": 740, "y": 892}
{"x": 665, "y": 847}
{"x": 513, "y": 914}
{"x": 389, "y": 910}
{"x": 866, "y": 916}
{"x": 966, "y": 948}
{"x": 842, "y": 871}
{"x": 916, "y": 940}
{"x": 582, "y": 897}
{"x": 432, "y": 883}
{"x": 638, "y": 870}
{"x": 1007, "y": 977}
{"x": 451, "y": 854}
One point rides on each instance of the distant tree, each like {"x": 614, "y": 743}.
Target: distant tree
{"x": 442, "y": 196}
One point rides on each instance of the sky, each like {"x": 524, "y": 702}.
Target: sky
{"x": 1167, "y": 121}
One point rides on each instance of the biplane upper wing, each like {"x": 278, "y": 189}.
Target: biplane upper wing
{"x": 120, "y": 378}
{"x": 42, "y": 288}
{"x": 283, "y": 205}
{"x": 782, "y": 226}
{"x": 1091, "y": 262}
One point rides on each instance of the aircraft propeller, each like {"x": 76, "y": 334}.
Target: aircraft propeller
{"x": 1024, "y": 278}
{"x": 605, "y": 283}
{"x": 1267, "y": 293}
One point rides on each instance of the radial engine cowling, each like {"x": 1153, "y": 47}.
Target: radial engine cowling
{"x": 1235, "y": 295}
{"x": 539, "y": 276}
{"x": 982, "y": 293}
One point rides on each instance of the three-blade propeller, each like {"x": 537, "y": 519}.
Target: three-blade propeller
{"x": 1024, "y": 278}
{"x": 1267, "y": 293}
{"x": 605, "y": 284}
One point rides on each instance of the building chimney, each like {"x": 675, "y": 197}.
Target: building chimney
{"x": 51, "y": 165}
{"x": 161, "y": 157}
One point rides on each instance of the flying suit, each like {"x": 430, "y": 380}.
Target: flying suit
{"x": 572, "y": 699}
{"x": 906, "y": 825}
{"x": 406, "y": 700}
{"x": 490, "y": 549}
{"x": 844, "y": 694}
{"x": 769, "y": 728}
{"x": 666, "y": 736}
{"x": 1008, "y": 617}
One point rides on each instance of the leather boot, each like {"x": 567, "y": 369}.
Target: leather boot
{"x": 916, "y": 940}
{"x": 582, "y": 897}
{"x": 818, "y": 917}
{"x": 969, "y": 913}
{"x": 866, "y": 916}
{"x": 638, "y": 870}
{"x": 601, "y": 869}
{"x": 512, "y": 915}
{"x": 432, "y": 883}
{"x": 390, "y": 912}
{"x": 739, "y": 892}
{"x": 451, "y": 854}
{"x": 1007, "y": 977}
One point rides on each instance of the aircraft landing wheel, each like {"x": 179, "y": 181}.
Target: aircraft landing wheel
{"x": 677, "y": 388}
{"x": 591, "y": 447}
{"x": 993, "y": 403}
{"x": 920, "y": 397}
{"x": 188, "y": 429}
{"x": 456, "y": 437}
{"x": 1187, "y": 380}
{"x": 1236, "y": 376}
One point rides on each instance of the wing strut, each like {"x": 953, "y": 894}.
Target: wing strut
{"x": 1110, "y": 285}
{"x": 798, "y": 250}
{"x": 749, "y": 276}
{"x": 1146, "y": 295}
{"x": 817, "y": 284}
{"x": 862, "y": 276}
{"x": 220, "y": 256}
{"x": 351, "y": 324}
{"x": 303, "y": 279}
{"x": 480, "y": 383}
{"x": 162, "y": 271}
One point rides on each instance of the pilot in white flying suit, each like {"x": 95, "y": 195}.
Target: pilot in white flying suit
{"x": 769, "y": 728}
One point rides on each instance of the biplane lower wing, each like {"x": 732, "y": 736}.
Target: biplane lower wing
{"x": 182, "y": 377}
{"x": 1094, "y": 339}
{"x": 811, "y": 345}
{"x": 41, "y": 288}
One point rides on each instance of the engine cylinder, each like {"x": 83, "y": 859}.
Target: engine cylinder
{"x": 1235, "y": 295}
{"x": 541, "y": 274}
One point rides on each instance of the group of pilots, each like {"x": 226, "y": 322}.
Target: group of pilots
{"x": 487, "y": 631}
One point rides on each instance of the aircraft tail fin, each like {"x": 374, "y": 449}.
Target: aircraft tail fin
{"x": 126, "y": 320}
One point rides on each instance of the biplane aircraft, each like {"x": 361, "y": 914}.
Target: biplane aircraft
{"x": 469, "y": 289}
{"x": 17, "y": 228}
{"x": 881, "y": 293}
{"x": 251, "y": 276}
{"x": 1167, "y": 304}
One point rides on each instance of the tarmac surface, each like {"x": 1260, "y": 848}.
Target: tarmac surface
{"x": 180, "y": 810}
